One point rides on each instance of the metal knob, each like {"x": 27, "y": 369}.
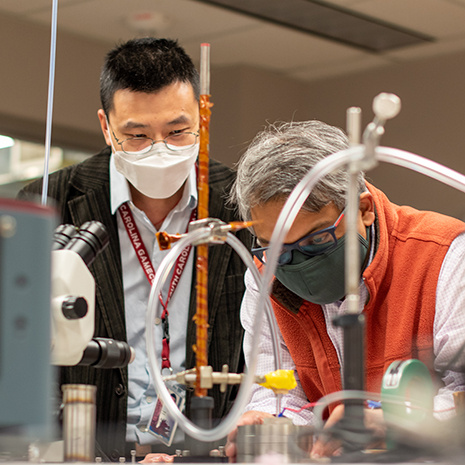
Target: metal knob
{"x": 386, "y": 106}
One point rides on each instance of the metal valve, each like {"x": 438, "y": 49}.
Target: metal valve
{"x": 216, "y": 231}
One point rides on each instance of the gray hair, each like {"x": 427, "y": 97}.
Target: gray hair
{"x": 280, "y": 156}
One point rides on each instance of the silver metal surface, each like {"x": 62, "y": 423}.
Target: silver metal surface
{"x": 79, "y": 418}
{"x": 276, "y": 437}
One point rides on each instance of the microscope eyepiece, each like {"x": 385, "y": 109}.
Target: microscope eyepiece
{"x": 63, "y": 235}
{"x": 91, "y": 239}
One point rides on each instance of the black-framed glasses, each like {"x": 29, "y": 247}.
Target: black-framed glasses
{"x": 312, "y": 244}
{"x": 175, "y": 142}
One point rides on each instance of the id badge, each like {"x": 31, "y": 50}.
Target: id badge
{"x": 163, "y": 425}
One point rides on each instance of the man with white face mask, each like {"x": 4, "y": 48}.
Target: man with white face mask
{"x": 143, "y": 182}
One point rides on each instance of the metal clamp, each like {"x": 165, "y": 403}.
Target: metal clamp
{"x": 216, "y": 231}
{"x": 385, "y": 106}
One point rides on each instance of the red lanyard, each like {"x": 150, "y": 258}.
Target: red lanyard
{"x": 146, "y": 264}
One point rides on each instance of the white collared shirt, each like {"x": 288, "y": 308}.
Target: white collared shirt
{"x": 142, "y": 396}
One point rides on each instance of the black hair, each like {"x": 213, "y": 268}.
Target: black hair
{"x": 145, "y": 65}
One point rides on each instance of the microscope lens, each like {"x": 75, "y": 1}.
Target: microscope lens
{"x": 91, "y": 239}
{"x": 63, "y": 235}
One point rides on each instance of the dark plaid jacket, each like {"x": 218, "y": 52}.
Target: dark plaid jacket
{"x": 82, "y": 193}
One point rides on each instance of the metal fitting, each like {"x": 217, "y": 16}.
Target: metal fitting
{"x": 216, "y": 231}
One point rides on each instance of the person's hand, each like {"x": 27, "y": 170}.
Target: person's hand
{"x": 157, "y": 458}
{"x": 325, "y": 446}
{"x": 252, "y": 417}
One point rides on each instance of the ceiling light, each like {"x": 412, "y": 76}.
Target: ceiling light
{"x": 6, "y": 142}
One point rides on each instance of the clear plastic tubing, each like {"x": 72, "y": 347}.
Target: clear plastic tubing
{"x": 229, "y": 422}
{"x": 338, "y": 396}
{"x": 51, "y": 87}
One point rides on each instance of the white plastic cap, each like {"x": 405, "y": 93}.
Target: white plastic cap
{"x": 386, "y": 106}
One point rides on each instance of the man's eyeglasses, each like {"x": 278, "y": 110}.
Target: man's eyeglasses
{"x": 312, "y": 244}
{"x": 175, "y": 142}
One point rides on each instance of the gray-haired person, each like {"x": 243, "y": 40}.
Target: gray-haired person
{"x": 410, "y": 277}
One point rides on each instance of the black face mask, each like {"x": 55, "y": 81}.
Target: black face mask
{"x": 319, "y": 279}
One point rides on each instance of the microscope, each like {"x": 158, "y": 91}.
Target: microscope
{"x": 47, "y": 311}
{"x": 73, "y": 301}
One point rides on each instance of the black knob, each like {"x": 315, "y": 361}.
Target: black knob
{"x": 74, "y": 308}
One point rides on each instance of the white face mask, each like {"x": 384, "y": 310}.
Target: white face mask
{"x": 158, "y": 173}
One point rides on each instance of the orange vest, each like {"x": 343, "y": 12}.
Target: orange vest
{"x": 399, "y": 315}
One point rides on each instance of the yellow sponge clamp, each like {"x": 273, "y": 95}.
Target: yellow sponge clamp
{"x": 279, "y": 381}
